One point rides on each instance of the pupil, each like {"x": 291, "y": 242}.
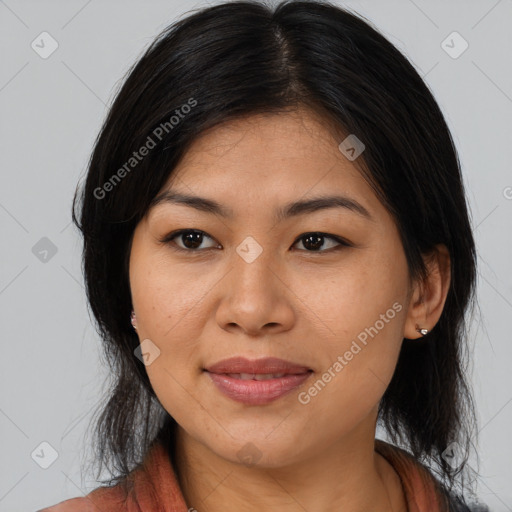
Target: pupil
{"x": 192, "y": 240}
{"x": 316, "y": 241}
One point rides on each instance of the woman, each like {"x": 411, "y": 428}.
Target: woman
{"x": 279, "y": 258}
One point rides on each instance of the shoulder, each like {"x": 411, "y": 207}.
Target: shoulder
{"x": 112, "y": 499}
{"x": 151, "y": 484}
{"x": 421, "y": 484}
{"x": 72, "y": 505}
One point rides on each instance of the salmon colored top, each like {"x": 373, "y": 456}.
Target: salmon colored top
{"x": 166, "y": 496}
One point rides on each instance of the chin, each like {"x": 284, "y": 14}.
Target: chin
{"x": 254, "y": 446}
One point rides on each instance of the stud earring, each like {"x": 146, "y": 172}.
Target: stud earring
{"x": 133, "y": 320}
{"x": 421, "y": 330}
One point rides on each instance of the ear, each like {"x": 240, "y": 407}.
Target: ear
{"x": 429, "y": 295}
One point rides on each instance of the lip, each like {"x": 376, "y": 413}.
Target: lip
{"x": 257, "y": 392}
{"x": 258, "y": 366}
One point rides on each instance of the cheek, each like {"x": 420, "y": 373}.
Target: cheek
{"x": 167, "y": 302}
{"x": 166, "y": 297}
{"x": 355, "y": 376}
{"x": 344, "y": 300}
{"x": 364, "y": 308}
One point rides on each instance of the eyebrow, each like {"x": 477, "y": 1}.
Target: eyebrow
{"x": 289, "y": 210}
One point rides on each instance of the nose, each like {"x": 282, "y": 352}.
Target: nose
{"x": 255, "y": 298}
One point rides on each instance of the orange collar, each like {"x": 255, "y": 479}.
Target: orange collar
{"x": 153, "y": 486}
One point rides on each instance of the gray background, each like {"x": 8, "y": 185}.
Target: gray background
{"x": 51, "y": 111}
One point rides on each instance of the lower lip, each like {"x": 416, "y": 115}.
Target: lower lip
{"x": 257, "y": 392}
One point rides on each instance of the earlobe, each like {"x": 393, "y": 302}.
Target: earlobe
{"x": 133, "y": 320}
{"x": 429, "y": 297}
{"x": 421, "y": 330}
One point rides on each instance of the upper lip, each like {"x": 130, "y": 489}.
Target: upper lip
{"x": 256, "y": 366}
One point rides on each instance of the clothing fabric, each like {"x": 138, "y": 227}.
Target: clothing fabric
{"x": 153, "y": 487}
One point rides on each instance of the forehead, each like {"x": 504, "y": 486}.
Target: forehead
{"x": 269, "y": 159}
{"x": 271, "y": 137}
{"x": 297, "y": 146}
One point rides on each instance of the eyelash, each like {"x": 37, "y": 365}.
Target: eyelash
{"x": 169, "y": 240}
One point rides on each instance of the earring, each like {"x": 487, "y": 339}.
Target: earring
{"x": 132, "y": 318}
{"x": 422, "y": 331}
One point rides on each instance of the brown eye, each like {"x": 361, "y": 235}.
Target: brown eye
{"x": 315, "y": 242}
{"x": 191, "y": 239}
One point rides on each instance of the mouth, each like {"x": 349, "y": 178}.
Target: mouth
{"x": 256, "y": 376}
{"x": 264, "y": 366}
{"x": 257, "y": 382}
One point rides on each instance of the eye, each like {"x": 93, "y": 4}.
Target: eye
{"x": 315, "y": 241}
{"x": 190, "y": 238}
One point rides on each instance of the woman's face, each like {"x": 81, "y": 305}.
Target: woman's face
{"x": 257, "y": 285}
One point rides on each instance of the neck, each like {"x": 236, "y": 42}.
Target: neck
{"x": 348, "y": 476}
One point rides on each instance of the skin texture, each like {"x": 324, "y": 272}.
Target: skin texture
{"x": 291, "y": 302}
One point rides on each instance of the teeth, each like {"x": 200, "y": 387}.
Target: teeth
{"x": 257, "y": 376}
{"x": 265, "y": 376}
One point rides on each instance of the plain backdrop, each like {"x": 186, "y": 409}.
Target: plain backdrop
{"x": 52, "y": 107}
